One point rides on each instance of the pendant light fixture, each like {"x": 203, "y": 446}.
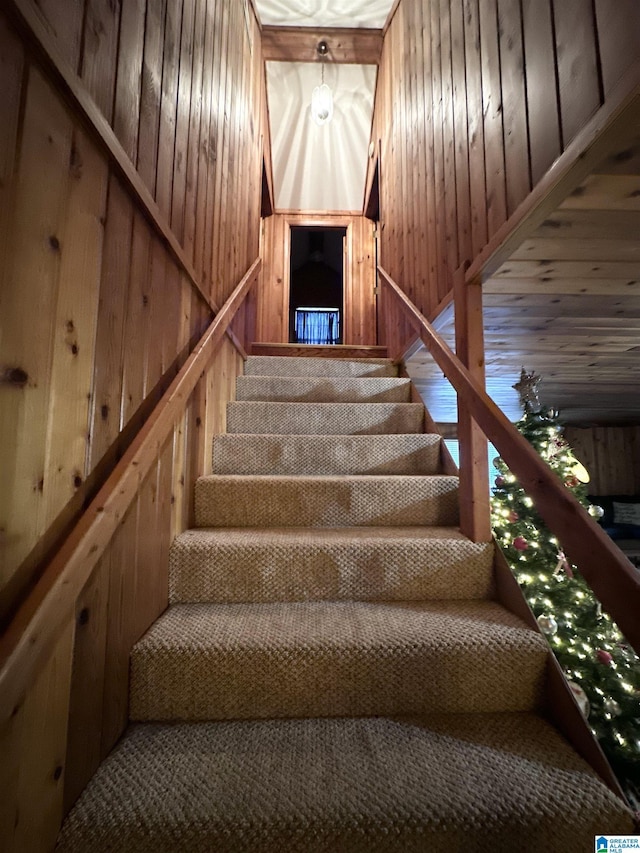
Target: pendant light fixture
{"x": 322, "y": 97}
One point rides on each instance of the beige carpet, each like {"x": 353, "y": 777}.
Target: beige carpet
{"x": 370, "y": 697}
{"x": 503, "y": 783}
{"x": 324, "y": 418}
{"x": 316, "y": 659}
{"x": 414, "y": 453}
{"x": 260, "y": 365}
{"x": 342, "y": 564}
{"x": 323, "y": 389}
{"x": 257, "y": 501}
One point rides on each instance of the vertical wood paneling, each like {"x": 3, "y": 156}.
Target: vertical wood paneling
{"x": 64, "y": 20}
{"x": 74, "y": 329}
{"x": 221, "y": 122}
{"x": 41, "y": 730}
{"x": 421, "y": 269}
{"x": 451, "y": 211}
{"x": 514, "y": 103}
{"x": 204, "y": 146}
{"x": 577, "y": 64}
{"x": 542, "y": 103}
{"x": 193, "y": 154}
{"x": 221, "y": 235}
{"x": 475, "y": 127}
{"x": 402, "y": 135}
{"x": 168, "y": 107}
{"x": 211, "y": 150}
{"x": 87, "y": 683}
{"x": 112, "y": 312}
{"x": 148, "y": 569}
{"x": 492, "y": 109}
{"x": 36, "y": 228}
{"x": 151, "y": 93}
{"x": 272, "y": 323}
{"x": 182, "y": 120}
{"x": 611, "y": 455}
{"x": 10, "y": 749}
{"x": 120, "y": 630}
{"x": 100, "y": 50}
{"x": 619, "y": 35}
{"x": 438, "y": 155}
{"x": 431, "y": 296}
{"x": 126, "y": 112}
{"x": 96, "y": 319}
{"x": 460, "y": 129}
{"x": 487, "y": 93}
{"x": 136, "y": 331}
{"x": 159, "y": 302}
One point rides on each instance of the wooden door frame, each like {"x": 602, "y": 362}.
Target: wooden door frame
{"x": 319, "y": 220}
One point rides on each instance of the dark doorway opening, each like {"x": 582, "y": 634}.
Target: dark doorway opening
{"x": 316, "y": 296}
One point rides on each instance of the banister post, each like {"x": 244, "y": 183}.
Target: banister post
{"x": 475, "y": 521}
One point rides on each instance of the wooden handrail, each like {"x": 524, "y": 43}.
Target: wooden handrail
{"x": 605, "y": 568}
{"x": 28, "y": 640}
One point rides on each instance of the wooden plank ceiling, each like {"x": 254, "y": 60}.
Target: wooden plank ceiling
{"x": 566, "y": 304}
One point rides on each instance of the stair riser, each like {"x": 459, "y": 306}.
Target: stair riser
{"x": 295, "y": 454}
{"x": 326, "y": 502}
{"x": 349, "y": 571}
{"x": 324, "y": 418}
{"x": 322, "y": 390}
{"x": 232, "y": 684}
{"x": 275, "y": 366}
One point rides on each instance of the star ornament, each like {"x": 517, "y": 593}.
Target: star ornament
{"x": 527, "y": 389}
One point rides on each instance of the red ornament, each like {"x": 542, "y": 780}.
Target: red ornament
{"x": 520, "y": 543}
{"x": 604, "y": 657}
{"x": 500, "y": 482}
{"x": 513, "y": 516}
{"x": 572, "y": 482}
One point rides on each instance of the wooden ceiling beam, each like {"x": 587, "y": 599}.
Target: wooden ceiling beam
{"x": 347, "y": 46}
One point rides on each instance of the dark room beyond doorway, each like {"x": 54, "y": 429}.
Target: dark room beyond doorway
{"x": 316, "y": 296}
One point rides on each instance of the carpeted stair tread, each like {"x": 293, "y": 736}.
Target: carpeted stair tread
{"x": 268, "y": 365}
{"x": 228, "y": 500}
{"x": 415, "y": 453}
{"x": 324, "y": 418}
{"x": 483, "y": 782}
{"x": 323, "y": 389}
{"x": 308, "y": 659}
{"x": 309, "y": 564}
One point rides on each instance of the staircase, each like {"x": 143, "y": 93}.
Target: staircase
{"x": 332, "y": 673}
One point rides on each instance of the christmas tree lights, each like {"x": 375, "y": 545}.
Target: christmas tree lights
{"x": 602, "y": 668}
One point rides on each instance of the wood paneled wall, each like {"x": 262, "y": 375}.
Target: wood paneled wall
{"x": 359, "y": 277}
{"x": 611, "y": 455}
{"x": 475, "y": 100}
{"x": 95, "y": 314}
{"x": 96, "y": 317}
{"x": 78, "y": 706}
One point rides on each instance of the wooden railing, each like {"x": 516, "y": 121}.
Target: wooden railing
{"x": 608, "y": 572}
{"x": 39, "y": 622}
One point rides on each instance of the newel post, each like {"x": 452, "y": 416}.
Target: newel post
{"x": 475, "y": 519}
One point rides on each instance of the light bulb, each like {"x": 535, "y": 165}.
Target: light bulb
{"x": 322, "y": 104}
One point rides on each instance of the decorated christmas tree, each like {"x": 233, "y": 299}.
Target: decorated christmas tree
{"x": 602, "y": 668}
